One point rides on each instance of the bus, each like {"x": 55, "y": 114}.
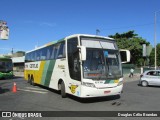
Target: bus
{"x": 6, "y": 67}
{"x": 80, "y": 65}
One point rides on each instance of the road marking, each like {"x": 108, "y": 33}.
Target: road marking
{"x": 36, "y": 89}
{"x": 32, "y": 91}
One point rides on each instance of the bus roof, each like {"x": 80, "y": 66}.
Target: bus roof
{"x": 5, "y": 57}
{"x": 88, "y": 35}
{"x": 68, "y": 37}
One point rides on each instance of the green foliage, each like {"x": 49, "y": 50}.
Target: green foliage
{"x": 132, "y": 42}
{"x": 20, "y": 52}
{"x": 152, "y": 56}
{"x": 127, "y": 35}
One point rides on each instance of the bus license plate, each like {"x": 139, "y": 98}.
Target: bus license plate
{"x": 106, "y": 92}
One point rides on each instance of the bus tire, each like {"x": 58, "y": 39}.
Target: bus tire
{"x": 32, "y": 81}
{"x": 29, "y": 80}
{"x": 63, "y": 91}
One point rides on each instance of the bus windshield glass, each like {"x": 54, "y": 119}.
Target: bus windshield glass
{"x": 102, "y": 61}
{"x": 6, "y": 65}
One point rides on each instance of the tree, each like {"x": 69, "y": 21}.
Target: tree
{"x": 127, "y": 35}
{"x": 152, "y": 56}
{"x": 132, "y": 42}
{"x": 23, "y": 52}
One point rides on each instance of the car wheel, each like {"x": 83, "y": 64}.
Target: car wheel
{"x": 144, "y": 83}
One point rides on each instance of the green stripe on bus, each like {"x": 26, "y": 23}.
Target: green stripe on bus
{"x": 109, "y": 81}
{"x": 44, "y": 72}
{"x": 49, "y": 72}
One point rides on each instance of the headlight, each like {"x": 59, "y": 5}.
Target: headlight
{"x": 88, "y": 84}
{"x": 120, "y": 83}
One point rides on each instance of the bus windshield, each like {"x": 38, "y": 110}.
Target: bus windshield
{"x": 103, "y": 59}
{"x": 102, "y": 64}
{"x": 6, "y": 65}
{"x": 113, "y": 62}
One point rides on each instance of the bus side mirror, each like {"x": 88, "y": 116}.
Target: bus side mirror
{"x": 125, "y": 55}
{"x": 83, "y": 53}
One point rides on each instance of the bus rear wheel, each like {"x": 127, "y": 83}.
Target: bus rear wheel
{"x": 29, "y": 79}
{"x": 32, "y": 81}
{"x": 62, "y": 89}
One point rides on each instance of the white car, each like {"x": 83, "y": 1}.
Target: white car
{"x": 150, "y": 77}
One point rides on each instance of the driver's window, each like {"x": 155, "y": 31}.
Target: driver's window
{"x": 73, "y": 59}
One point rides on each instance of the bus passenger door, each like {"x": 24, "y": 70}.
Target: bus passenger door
{"x": 73, "y": 66}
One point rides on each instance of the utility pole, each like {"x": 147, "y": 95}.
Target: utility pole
{"x": 155, "y": 37}
{"x": 12, "y": 51}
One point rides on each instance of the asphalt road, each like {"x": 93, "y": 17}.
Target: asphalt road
{"x": 38, "y": 98}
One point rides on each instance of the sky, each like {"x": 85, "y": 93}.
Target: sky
{"x": 37, "y": 22}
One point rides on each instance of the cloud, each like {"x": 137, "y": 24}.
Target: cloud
{"x": 47, "y": 24}
{"x": 42, "y": 24}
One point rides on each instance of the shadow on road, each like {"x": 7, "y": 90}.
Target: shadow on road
{"x": 84, "y": 100}
{"x": 14, "y": 77}
{"x": 95, "y": 99}
{"x": 149, "y": 86}
{"x": 155, "y": 86}
{"x": 4, "y": 90}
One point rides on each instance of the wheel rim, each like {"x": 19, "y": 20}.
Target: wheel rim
{"x": 144, "y": 83}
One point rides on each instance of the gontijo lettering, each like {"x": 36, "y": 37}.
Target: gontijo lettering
{"x": 33, "y": 65}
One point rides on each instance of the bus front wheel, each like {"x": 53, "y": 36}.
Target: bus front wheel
{"x": 63, "y": 91}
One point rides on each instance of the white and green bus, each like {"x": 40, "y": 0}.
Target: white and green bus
{"x": 81, "y": 65}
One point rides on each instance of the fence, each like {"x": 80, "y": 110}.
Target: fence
{"x": 137, "y": 70}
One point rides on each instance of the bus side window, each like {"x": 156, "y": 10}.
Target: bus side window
{"x": 38, "y": 55}
{"x": 52, "y": 52}
{"x": 43, "y": 53}
{"x": 26, "y": 57}
{"x": 29, "y": 57}
{"x": 32, "y": 56}
{"x": 56, "y": 49}
{"x": 61, "y": 51}
{"x": 49, "y": 52}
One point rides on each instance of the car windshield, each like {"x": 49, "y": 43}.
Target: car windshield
{"x": 102, "y": 64}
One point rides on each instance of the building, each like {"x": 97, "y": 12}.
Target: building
{"x": 18, "y": 64}
{"x": 18, "y": 60}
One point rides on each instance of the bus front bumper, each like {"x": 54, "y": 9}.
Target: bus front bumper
{"x": 87, "y": 92}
